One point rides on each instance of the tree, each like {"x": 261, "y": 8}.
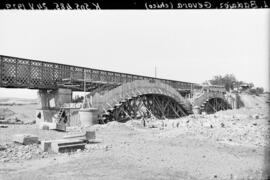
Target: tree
{"x": 259, "y": 90}
{"x": 228, "y": 81}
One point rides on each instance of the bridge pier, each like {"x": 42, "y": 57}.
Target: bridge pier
{"x": 54, "y": 99}
{"x": 51, "y": 102}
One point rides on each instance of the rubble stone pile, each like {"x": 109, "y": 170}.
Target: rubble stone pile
{"x": 16, "y": 152}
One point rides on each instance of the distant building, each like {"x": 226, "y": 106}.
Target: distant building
{"x": 243, "y": 87}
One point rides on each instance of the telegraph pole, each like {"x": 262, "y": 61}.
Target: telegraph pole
{"x": 155, "y": 72}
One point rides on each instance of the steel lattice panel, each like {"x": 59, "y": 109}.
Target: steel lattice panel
{"x": 9, "y": 72}
{"x": 95, "y": 75}
{"x": 78, "y": 73}
{"x": 117, "y": 77}
{"x": 23, "y": 73}
{"x": 18, "y": 72}
{"x": 35, "y": 74}
{"x": 57, "y": 73}
{"x": 65, "y": 71}
{"x": 103, "y": 76}
{"x": 47, "y": 75}
{"x": 88, "y": 74}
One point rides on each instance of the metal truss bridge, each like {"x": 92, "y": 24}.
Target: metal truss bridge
{"x": 32, "y": 74}
{"x": 119, "y": 96}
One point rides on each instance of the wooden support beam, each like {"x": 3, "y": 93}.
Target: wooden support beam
{"x": 174, "y": 110}
{"x": 209, "y": 105}
{"x": 156, "y": 100}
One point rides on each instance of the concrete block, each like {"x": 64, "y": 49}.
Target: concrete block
{"x": 90, "y": 135}
{"x": 46, "y": 146}
{"x": 66, "y": 145}
{"x": 25, "y": 139}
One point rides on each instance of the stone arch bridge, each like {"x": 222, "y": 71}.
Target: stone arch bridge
{"x": 117, "y": 96}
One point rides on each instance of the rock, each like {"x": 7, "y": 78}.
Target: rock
{"x": 28, "y": 156}
{"x": 107, "y": 148}
{"x": 44, "y": 154}
{"x": 207, "y": 124}
{"x": 79, "y": 150}
{"x": 20, "y": 154}
{"x": 14, "y": 120}
{"x": 255, "y": 116}
{"x": 2, "y": 117}
{"x": 222, "y": 125}
{"x": 92, "y": 146}
{"x": 4, "y": 160}
{"x": 26, "y": 139}
{"x": 2, "y": 148}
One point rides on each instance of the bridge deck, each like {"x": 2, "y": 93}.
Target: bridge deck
{"x": 32, "y": 74}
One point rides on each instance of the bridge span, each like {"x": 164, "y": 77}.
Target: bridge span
{"x": 117, "y": 96}
{"x": 34, "y": 74}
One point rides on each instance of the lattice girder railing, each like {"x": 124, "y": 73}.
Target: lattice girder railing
{"x": 25, "y": 73}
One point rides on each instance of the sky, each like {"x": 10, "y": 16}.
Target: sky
{"x": 184, "y": 45}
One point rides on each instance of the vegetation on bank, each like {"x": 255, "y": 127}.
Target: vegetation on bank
{"x": 230, "y": 83}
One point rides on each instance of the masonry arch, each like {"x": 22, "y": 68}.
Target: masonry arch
{"x": 141, "y": 98}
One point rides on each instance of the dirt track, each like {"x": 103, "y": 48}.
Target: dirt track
{"x": 193, "y": 149}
